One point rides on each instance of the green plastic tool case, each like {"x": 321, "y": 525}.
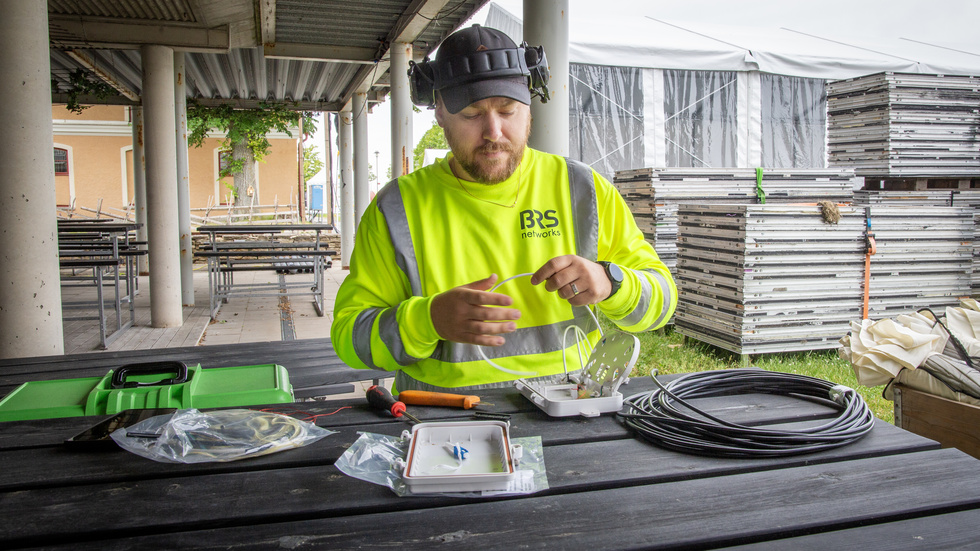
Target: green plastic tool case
{"x": 139, "y": 386}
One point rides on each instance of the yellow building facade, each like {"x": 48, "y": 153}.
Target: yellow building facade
{"x": 93, "y": 156}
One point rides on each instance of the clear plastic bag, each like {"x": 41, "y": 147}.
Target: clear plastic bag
{"x": 380, "y": 459}
{"x": 192, "y": 436}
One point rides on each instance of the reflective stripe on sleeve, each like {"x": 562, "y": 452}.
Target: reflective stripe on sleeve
{"x": 362, "y": 335}
{"x": 388, "y": 330}
{"x": 526, "y": 340}
{"x": 668, "y": 297}
{"x": 646, "y": 294}
{"x": 403, "y": 381}
{"x": 391, "y": 205}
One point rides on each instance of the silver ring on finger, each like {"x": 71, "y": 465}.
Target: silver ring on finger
{"x": 574, "y": 289}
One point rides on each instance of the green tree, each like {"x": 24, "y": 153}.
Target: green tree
{"x": 80, "y": 85}
{"x": 312, "y": 165}
{"x": 434, "y": 138}
{"x": 245, "y": 135}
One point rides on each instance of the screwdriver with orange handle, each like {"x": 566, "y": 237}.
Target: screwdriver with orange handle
{"x": 425, "y": 398}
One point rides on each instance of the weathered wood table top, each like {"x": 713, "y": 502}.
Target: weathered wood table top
{"x": 608, "y": 490}
{"x": 311, "y": 363}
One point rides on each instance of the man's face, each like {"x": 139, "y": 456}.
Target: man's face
{"x": 487, "y": 137}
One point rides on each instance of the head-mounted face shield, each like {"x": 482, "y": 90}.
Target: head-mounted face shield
{"x": 470, "y": 76}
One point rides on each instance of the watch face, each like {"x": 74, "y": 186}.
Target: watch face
{"x": 615, "y": 273}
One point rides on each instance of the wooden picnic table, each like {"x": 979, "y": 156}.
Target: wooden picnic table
{"x": 102, "y": 248}
{"x": 226, "y": 258}
{"x": 313, "y": 366}
{"x": 607, "y": 489}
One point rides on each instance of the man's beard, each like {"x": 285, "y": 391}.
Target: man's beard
{"x": 494, "y": 171}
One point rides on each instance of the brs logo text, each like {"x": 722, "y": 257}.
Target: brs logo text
{"x": 537, "y": 224}
{"x": 536, "y": 219}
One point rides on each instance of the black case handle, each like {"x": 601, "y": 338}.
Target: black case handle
{"x": 149, "y": 368}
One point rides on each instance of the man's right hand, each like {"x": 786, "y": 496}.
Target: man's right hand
{"x": 469, "y": 314}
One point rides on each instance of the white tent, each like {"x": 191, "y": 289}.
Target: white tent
{"x": 716, "y": 84}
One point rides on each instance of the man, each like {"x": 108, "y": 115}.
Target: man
{"x": 420, "y": 297}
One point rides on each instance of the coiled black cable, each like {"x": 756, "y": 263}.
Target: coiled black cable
{"x": 665, "y": 417}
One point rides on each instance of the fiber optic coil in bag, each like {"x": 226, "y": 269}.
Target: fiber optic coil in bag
{"x": 192, "y": 436}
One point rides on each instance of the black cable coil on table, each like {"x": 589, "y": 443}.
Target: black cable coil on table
{"x": 665, "y": 417}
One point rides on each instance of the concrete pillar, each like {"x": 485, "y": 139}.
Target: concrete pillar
{"x": 139, "y": 184}
{"x": 183, "y": 184}
{"x": 546, "y": 24}
{"x": 401, "y": 112}
{"x": 328, "y": 193}
{"x": 161, "y": 184}
{"x": 345, "y": 136}
{"x": 30, "y": 281}
{"x": 362, "y": 193}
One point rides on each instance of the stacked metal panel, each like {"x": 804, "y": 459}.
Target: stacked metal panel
{"x": 654, "y": 194}
{"x": 926, "y": 198}
{"x": 935, "y": 197}
{"x": 968, "y": 198}
{"x": 975, "y": 276}
{"x": 768, "y": 278}
{"x": 778, "y": 278}
{"x": 924, "y": 258}
{"x": 905, "y": 125}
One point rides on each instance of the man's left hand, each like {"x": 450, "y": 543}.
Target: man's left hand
{"x": 576, "y": 279}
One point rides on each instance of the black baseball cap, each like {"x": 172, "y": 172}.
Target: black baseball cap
{"x": 452, "y": 53}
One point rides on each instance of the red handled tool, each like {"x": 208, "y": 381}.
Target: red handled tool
{"x": 379, "y": 397}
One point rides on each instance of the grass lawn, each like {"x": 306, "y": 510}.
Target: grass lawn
{"x": 667, "y": 352}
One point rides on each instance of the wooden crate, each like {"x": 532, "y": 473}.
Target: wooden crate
{"x": 952, "y": 424}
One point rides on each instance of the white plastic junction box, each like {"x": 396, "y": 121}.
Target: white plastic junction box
{"x": 595, "y": 389}
{"x": 454, "y": 456}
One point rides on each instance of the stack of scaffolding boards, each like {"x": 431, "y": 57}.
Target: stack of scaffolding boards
{"x": 969, "y": 198}
{"x": 926, "y": 197}
{"x": 905, "y": 125}
{"x": 653, "y": 194}
{"x": 770, "y": 278}
{"x": 924, "y": 258}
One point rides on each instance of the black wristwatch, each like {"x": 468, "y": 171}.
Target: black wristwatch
{"x": 615, "y": 275}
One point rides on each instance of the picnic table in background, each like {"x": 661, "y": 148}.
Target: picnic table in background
{"x": 264, "y": 247}
{"x": 95, "y": 252}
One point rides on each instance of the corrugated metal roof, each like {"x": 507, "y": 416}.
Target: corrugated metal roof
{"x": 312, "y": 54}
{"x": 338, "y": 22}
{"x": 171, "y": 10}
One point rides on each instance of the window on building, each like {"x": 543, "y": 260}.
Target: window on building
{"x": 224, "y": 159}
{"x": 60, "y": 161}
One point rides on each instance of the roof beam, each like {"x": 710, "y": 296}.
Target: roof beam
{"x": 410, "y": 25}
{"x": 264, "y": 104}
{"x": 105, "y": 32}
{"x": 267, "y": 22}
{"x": 62, "y": 98}
{"x": 84, "y": 60}
{"x": 320, "y": 52}
{"x": 415, "y": 19}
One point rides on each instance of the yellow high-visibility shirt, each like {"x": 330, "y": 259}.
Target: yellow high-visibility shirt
{"x": 426, "y": 233}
